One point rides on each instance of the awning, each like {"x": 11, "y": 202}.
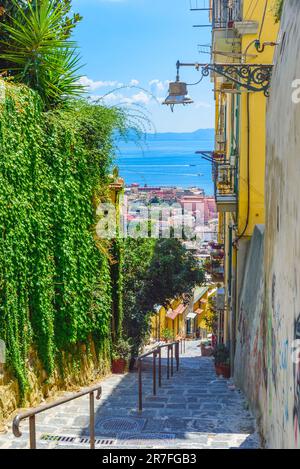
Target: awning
{"x": 212, "y": 292}
{"x": 180, "y": 309}
{"x": 191, "y": 316}
{"x": 172, "y": 314}
{"x": 199, "y": 311}
{"x": 199, "y": 292}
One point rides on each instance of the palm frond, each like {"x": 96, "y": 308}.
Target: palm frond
{"x": 37, "y": 53}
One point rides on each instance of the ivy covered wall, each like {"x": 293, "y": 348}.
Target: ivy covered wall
{"x": 55, "y": 280}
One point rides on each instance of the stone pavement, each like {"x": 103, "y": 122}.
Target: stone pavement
{"x": 194, "y": 409}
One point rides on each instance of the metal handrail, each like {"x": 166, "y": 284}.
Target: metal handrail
{"x": 31, "y": 413}
{"x": 170, "y": 365}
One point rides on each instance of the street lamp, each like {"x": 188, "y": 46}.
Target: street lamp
{"x": 253, "y": 77}
{"x": 178, "y": 93}
{"x": 157, "y": 309}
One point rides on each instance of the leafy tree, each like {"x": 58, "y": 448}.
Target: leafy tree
{"x": 138, "y": 255}
{"x": 174, "y": 271}
{"x": 155, "y": 272}
{"x": 37, "y": 50}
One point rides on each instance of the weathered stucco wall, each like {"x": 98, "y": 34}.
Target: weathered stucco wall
{"x": 250, "y": 344}
{"x": 282, "y": 238}
{"x": 76, "y": 370}
{"x": 269, "y": 317}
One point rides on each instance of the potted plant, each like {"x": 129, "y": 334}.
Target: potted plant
{"x": 222, "y": 362}
{"x": 217, "y": 254}
{"x": 167, "y": 334}
{"x": 207, "y": 265}
{"x": 206, "y": 349}
{"x": 120, "y": 355}
{"x": 215, "y": 264}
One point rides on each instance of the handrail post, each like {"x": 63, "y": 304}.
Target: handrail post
{"x": 31, "y": 413}
{"x": 92, "y": 421}
{"x": 140, "y": 385}
{"x": 184, "y": 345}
{"x": 159, "y": 367}
{"x": 177, "y": 355}
{"x": 172, "y": 354}
{"x": 168, "y": 362}
{"x": 154, "y": 373}
{"x": 32, "y": 434}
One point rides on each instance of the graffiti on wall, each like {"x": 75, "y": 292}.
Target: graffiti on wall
{"x": 296, "y": 411}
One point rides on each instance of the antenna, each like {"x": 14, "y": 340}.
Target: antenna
{"x": 195, "y": 5}
{"x": 198, "y": 5}
{"x": 204, "y": 49}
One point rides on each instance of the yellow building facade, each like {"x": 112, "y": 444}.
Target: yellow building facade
{"x": 244, "y": 33}
{"x": 171, "y": 319}
{"x": 183, "y": 320}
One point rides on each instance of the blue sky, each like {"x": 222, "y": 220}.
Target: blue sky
{"x": 138, "y": 42}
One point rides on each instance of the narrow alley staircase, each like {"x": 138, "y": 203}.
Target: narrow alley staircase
{"x": 193, "y": 409}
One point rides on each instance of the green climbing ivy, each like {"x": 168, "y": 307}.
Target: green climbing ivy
{"x": 55, "y": 282}
{"x": 278, "y": 9}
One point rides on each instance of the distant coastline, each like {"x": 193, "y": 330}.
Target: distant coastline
{"x": 197, "y": 134}
{"x": 167, "y": 159}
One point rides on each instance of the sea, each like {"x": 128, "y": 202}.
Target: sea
{"x": 167, "y": 159}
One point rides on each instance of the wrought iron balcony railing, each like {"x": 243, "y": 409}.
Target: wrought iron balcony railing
{"x": 225, "y": 182}
{"x": 225, "y": 12}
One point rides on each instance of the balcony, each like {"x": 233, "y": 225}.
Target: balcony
{"x": 225, "y": 12}
{"x": 215, "y": 269}
{"x": 226, "y": 43}
{"x": 226, "y": 46}
{"x": 225, "y": 188}
{"x": 219, "y": 157}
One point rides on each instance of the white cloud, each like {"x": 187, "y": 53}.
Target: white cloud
{"x": 120, "y": 98}
{"x": 119, "y": 94}
{"x": 158, "y": 86}
{"x": 140, "y": 98}
{"x": 95, "y": 85}
{"x": 202, "y": 104}
{"x": 113, "y": 98}
{"x": 134, "y": 82}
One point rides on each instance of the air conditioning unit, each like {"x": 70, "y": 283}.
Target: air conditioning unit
{"x": 246, "y": 27}
{"x": 220, "y": 299}
{"x": 226, "y": 46}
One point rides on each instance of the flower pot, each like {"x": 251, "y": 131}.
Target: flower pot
{"x": 118, "y": 366}
{"x": 206, "y": 351}
{"x": 225, "y": 371}
{"x": 218, "y": 369}
{"x": 132, "y": 364}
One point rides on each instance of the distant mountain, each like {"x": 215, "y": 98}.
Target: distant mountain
{"x": 201, "y": 134}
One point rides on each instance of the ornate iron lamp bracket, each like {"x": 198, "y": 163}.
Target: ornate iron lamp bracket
{"x": 253, "y": 77}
